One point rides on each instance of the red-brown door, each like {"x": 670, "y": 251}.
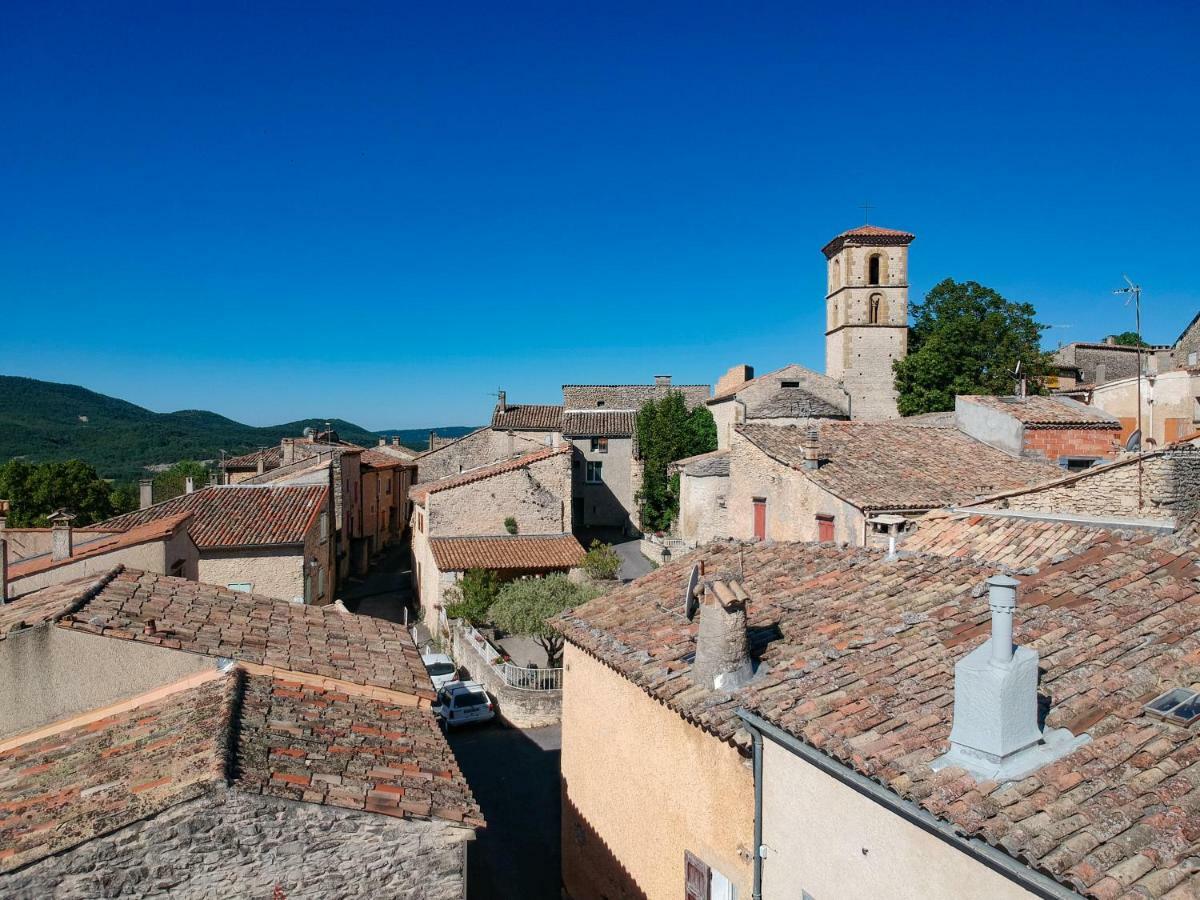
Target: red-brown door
{"x": 825, "y": 529}
{"x": 760, "y": 519}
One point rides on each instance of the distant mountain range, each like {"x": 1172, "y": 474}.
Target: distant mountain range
{"x": 41, "y": 421}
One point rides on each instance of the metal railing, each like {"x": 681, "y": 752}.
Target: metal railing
{"x": 519, "y": 677}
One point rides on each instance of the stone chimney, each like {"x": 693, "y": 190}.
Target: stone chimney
{"x": 145, "y": 493}
{"x": 383, "y": 442}
{"x": 61, "y": 539}
{"x": 995, "y": 734}
{"x": 662, "y": 380}
{"x": 395, "y": 440}
{"x": 189, "y": 485}
{"x": 502, "y": 401}
{"x": 1111, "y": 340}
{"x": 4, "y": 507}
{"x": 722, "y": 659}
{"x": 287, "y": 449}
{"x": 812, "y": 448}
{"x": 212, "y": 479}
{"x": 734, "y": 378}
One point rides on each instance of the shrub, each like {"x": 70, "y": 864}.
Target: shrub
{"x": 602, "y": 561}
{"x": 471, "y": 599}
{"x": 510, "y": 525}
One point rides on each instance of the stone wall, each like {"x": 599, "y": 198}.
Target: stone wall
{"x": 227, "y": 843}
{"x": 1188, "y": 344}
{"x": 520, "y": 708}
{"x": 702, "y": 508}
{"x": 1170, "y": 489}
{"x": 477, "y": 449}
{"x": 537, "y": 496}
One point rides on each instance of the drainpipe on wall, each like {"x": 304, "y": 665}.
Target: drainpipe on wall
{"x": 756, "y": 737}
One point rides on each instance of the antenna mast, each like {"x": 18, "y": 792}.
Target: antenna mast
{"x": 1135, "y": 293}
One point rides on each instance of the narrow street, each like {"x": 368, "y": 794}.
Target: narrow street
{"x": 386, "y": 589}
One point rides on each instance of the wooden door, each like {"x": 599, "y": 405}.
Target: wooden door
{"x": 697, "y": 878}
{"x": 825, "y": 529}
{"x": 760, "y": 519}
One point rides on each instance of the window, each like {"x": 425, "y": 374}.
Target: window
{"x": 702, "y": 882}
{"x": 420, "y": 522}
{"x": 599, "y": 403}
{"x": 242, "y": 587}
{"x": 177, "y": 568}
{"x": 874, "y": 305}
{"x": 599, "y": 445}
{"x": 595, "y": 472}
{"x": 784, "y": 384}
{"x": 324, "y": 526}
{"x": 825, "y": 529}
{"x": 873, "y": 270}
{"x": 1077, "y": 463}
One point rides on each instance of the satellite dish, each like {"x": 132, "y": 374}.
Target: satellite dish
{"x": 309, "y": 431}
{"x": 690, "y": 604}
{"x": 1135, "y": 441}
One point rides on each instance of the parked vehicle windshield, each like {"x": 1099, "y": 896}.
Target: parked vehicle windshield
{"x": 470, "y": 700}
{"x": 441, "y": 668}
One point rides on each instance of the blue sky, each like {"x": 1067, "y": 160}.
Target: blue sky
{"x": 383, "y": 212}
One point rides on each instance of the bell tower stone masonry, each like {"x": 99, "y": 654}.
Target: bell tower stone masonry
{"x": 866, "y": 313}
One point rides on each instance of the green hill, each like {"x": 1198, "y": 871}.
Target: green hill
{"x": 41, "y": 420}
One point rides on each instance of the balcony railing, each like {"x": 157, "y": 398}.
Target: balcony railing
{"x": 518, "y": 677}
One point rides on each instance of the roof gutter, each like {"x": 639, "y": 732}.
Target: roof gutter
{"x": 1031, "y": 880}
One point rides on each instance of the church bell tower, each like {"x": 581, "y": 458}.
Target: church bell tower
{"x": 866, "y": 310}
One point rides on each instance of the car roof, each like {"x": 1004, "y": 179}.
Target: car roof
{"x": 459, "y": 687}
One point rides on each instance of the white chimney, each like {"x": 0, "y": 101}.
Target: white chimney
{"x": 995, "y": 734}
{"x": 145, "y": 493}
{"x": 61, "y": 539}
{"x": 189, "y": 484}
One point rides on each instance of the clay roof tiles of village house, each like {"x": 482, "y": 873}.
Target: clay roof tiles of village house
{"x": 890, "y": 465}
{"x": 1011, "y": 541}
{"x": 381, "y": 459}
{"x": 1048, "y": 412}
{"x": 703, "y": 465}
{"x": 292, "y": 740}
{"x": 528, "y": 417}
{"x": 599, "y": 423}
{"x": 803, "y": 373}
{"x": 156, "y": 530}
{"x": 422, "y": 491}
{"x": 215, "y": 621}
{"x": 856, "y": 659}
{"x": 868, "y": 234}
{"x": 629, "y": 396}
{"x": 237, "y": 515}
{"x": 49, "y": 603}
{"x": 507, "y": 552}
{"x": 271, "y": 457}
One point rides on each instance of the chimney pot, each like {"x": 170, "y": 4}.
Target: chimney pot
{"x": 1002, "y": 601}
{"x": 395, "y": 440}
{"x": 383, "y": 442}
{"x": 722, "y": 660}
{"x": 662, "y": 380}
{"x": 61, "y": 538}
{"x": 502, "y": 402}
{"x": 145, "y": 493}
{"x": 812, "y": 449}
{"x": 189, "y": 484}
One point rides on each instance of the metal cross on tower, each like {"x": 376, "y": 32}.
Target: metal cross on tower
{"x": 866, "y": 208}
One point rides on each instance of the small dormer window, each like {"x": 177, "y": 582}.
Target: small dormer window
{"x": 599, "y": 403}
{"x": 785, "y": 384}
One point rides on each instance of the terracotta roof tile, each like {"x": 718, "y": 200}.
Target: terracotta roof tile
{"x": 528, "y": 417}
{"x": 156, "y": 530}
{"x": 870, "y": 235}
{"x": 205, "y": 618}
{"x": 419, "y": 493}
{"x": 50, "y": 603}
{"x": 237, "y": 515}
{"x": 381, "y": 459}
{"x": 1013, "y": 542}
{"x": 501, "y": 552}
{"x": 856, "y": 658}
{"x": 891, "y": 465}
{"x": 272, "y": 458}
{"x": 599, "y": 423}
{"x": 1036, "y": 411}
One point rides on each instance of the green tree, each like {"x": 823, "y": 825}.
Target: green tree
{"x": 967, "y": 339}
{"x": 667, "y": 432}
{"x": 472, "y": 597}
{"x": 37, "y": 490}
{"x": 526, "y": 607}
{"x": 601, "y": 561}
{"x": 1129, "y": 339}
{"x": 173, "y": 481}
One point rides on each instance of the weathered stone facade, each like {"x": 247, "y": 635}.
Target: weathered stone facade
{"x": 479, "y": 448}
{"x": 792, "y": 395}
{"x": 226, "y": 843}
{"x": 609, "y": 501}
{"x": 867, "y": 316}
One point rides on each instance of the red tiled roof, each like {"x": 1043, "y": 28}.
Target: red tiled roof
{"x": 891, "y": 465}
{"x": 237, "y": 515}
{"x": 500, "y": 552}
{"x": 272, "y": 457}
{"x": 857, "y": 660}
{"x": 1013, "y": 542}
{"x": 381, "y": 459}
{"x": 868, "y": 234}
{"x": 156, "y": 530}
{"x": 599, "y": 423}
{"x": 303, "y": 742}
{"x": 207, "y": 619}
{"x": 1039, "y": 412}
{"x": 419, "y": 493}
{"x": 50, "y": 603}
{"x": 528, "y": 417}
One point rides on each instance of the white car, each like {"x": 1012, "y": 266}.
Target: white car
{"x": 441, "y": 668}
{"x": 461, "y": 702}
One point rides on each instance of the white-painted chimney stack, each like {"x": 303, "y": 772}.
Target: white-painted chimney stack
{"x": 145, "y": 493}
{"x": 61, "y": 538}
{"x": 189, "y": 484}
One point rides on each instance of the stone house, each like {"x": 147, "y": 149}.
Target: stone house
{"x": 461, "y": 519}
{"x": 1055, "y": 429}
{"x": 792, "y": 395}
{"x": 708, "y": 733}
{"x": 187, "y": 739}
{"x": 274, "y": 540}
{"x": 481, "y": 447}
{"x": 162, "y": 545}
{"x": 600, "y": 422}
{"x": 384, "y": 510}
{"x": 1170, "y": 404}
{"x": 236, "y": 469}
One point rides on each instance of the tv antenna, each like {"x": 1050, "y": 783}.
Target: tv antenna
{"x": 1134, "y": 292}
{"x": 1019, "y": 380}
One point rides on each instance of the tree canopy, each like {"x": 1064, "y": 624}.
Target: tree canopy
{"x": 1129, "y": 339}
{"x": 472, "y": 598}
{"x": 526, "y": 606}
{"x": 967, "y": 339}
{"x": 37, "y": 489}
{"x": 172, "y": 482}
{"x": 667, "y": 432}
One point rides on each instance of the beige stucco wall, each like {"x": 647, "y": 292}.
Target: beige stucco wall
{"x": 26, "y": 542}
{"x": 1170, "y": 402}
{"x": 155, "y": 556}
{"x": 793, "y": 501}
{"x": 828, "y": 840}
{"x": 611, "y": 503}
{"x": 725, "y": 414}
{"x": 702, "y": 508}
{"x": 51, "y": 673}
{"x": 273, "y": 572}
{"x": 640, "y": 788}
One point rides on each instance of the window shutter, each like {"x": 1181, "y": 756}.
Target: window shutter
{"x": 697, "y": 878}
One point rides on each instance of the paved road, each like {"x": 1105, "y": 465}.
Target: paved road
{"x": 633, "y": 564}
{"x": 385, "y": 590}
{"x": 514, "y": 775}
